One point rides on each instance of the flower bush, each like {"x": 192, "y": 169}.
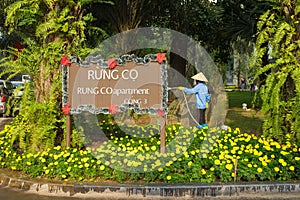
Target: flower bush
{"x": 132, "y": 153}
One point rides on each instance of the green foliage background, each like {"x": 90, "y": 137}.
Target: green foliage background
{"x": 49, "y": 29}
{"x": 276, "y": 60}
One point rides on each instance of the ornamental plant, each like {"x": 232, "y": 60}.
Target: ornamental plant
{"x": 132, "y": 155}
{"x": 50, "y": 30}
{"x": 276, "y": 62}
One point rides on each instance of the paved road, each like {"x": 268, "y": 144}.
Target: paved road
{"x": 10, "y": 194}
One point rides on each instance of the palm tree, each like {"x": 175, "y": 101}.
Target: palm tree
{"x": 240, "y": 28}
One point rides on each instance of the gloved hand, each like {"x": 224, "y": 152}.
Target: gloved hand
{"x": 180, "y": 88}
{"x": 207, "y": 104}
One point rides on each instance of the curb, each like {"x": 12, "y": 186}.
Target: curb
{"x": 264, "y": 190}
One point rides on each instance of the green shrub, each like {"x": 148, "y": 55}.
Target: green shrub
{"x": 207, "y": 155}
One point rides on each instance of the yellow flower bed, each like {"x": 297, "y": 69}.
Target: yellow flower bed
{"x": 192, "y": 155}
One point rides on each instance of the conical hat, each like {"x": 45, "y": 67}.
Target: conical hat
{"x": 200, "y": 77}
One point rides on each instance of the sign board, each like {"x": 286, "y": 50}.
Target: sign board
{"x": 115, "y": 85}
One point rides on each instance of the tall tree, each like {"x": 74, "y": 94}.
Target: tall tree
{"x": 3, "y": 5}
{"x": 239, "y": 29}
{"x": 50, "y": 29}
{"x": 197, "y": 19}
{"x": 122, "y": 15}
{"x": 5, "y": 39}
{"x": 194, "y": 18}
{"x": 125, "y": 15}
{"x": 278, "y": 38}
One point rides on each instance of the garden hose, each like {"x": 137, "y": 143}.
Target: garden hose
{"x": 187, "y": 105}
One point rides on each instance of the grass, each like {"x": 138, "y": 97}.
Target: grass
{"x": 247, "y": 121}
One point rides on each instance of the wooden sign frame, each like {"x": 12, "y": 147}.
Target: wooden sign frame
{"x": 147, "y": 92}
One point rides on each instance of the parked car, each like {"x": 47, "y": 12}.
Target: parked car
{"x": 14, "y": 101}
{"x": 4, "y": 95}
{"x": 20, "y": 80}
{"x": 8, "y": 85}
{"x": 26, "y": 78}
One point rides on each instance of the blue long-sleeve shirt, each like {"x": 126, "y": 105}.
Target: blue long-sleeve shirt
{"x": 202, "y": 95}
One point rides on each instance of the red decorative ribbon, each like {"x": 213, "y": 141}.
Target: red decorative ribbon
{"x": 65, "y": 61}
{"x": 66, "y": 109}
{"x": 113, "y": 109}
{"x": 160, "y": 112}
{"x": 160, "y": 57}
{"x": 112, "y": 63}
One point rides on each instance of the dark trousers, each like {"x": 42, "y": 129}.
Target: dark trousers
{"x": 202, "y": 116}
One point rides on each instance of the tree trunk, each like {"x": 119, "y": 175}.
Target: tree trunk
{"x": 178, "y": 62}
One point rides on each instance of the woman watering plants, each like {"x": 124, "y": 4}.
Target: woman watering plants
{"x": 202, "y": 96}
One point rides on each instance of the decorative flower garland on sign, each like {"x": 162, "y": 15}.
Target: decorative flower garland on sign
{"x": 160, "y": 57}
{"x": 112, "y": 63}
{"x": 66, "y": 109}
{"x": 65, "y": 61}
{"x": 113, "y": 109}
